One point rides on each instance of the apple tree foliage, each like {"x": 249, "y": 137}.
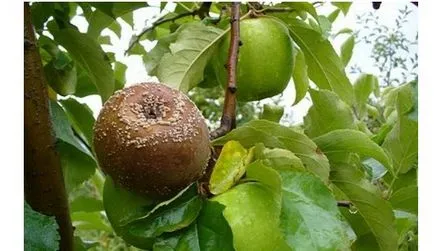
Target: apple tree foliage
{"x": 274, "y": 187}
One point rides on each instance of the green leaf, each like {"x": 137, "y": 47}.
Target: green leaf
{"x": 273, "y": 135}
{"x": 300, "y": 77}
{"x": 253, "y": 215}
{"x": 413, "y": 115}
{"x": 363, "y": 87}
{"x": 382, "y": 133}
{"x": 168, "y": 216}
{"x": 182, "y": 240}
{"x": 405, "y": 222}
{"x": 162, "y": 6}
{"x": 114, "y": 10}
{"x": 106, "y": 13}
{"x": 408, "y": 179}
{"x": 62, "y": 128}
{"x": 85, "y": 87}
{"x": 343, "y": 6}
{"x": 97, "y": 22}
{"x": 344, "y": 31}
{"x": 324, "y": 25}
{"x": 80, "y": 245}
{"x": 332, "y": 16}
{"x": 129, "y": 19}
{"x": 406, "y": 102}
{"x": 327, "y": 113}
{"x": 302, "y": 6}
{"x": 90, "y": 221}
{"x": 209, "y": 75}
{"x": 310, "y": 219}
{"x": 77, "y": 167}
{"x": 78, "y": 163}
{"x": 346, "y": 141}
{"x": 272, "y": 113}
{"x": 88, "y": 53}
{"x": 81, "y": 119}
{"x": 265, "y": 174}
{"x": 62, "y": 81}
{"x": 169, "y": 219}
{"x": 211, "y": 232}
{"x": 137, "y": 48}
{"x": 405, "y": 199}
{"x": 228, "y": 168}
{"x": 122, "y": 206}
{"x": 347, "y": 50}
{"x": 40, "y": 231}
{"x": 86, "y": 203}
{"x": 116, "y": 28}
{"x": 104, "y": 40}
{"x": 375, "y": 211}
{"x": 214, "y": 231}
{"x": 325, "y": 68}
{"x": 40, "y": 14}
{"x": 281, "y": 159}
{"x": 120, "y": 75}
{"x": 153, "y": 58}
{"x": 183, "y": 67}
{"x": 402, "y": 141}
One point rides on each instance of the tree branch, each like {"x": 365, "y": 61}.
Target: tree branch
{"x": 44, "y": 187}
{"x": 228, "y": 120}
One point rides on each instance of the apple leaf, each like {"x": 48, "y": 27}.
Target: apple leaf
{"x": 89, "y": 54}
{"x": 40, "y": 231}
{"x": 347, "y": 50}
{"x": 344, "y": 141}
{"x": 327, "y": 113}
{"x": 273, "y": 135}
{"x": 182, "y": 68}
{"x": 325, "y": 68}
{"x": 300, "y": 77}
{"x": 375, "y": 211}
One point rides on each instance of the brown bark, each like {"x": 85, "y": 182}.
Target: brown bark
{"x": 44, "y": 187}
{"x": 227, "y": 122}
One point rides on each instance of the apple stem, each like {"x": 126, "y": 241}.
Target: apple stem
{"x": 228, "y": 119}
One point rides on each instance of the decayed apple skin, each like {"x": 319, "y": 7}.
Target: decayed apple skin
{"x": 151, "y": 140}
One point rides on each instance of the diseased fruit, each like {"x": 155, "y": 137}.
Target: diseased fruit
{"x": 265, "y": 59}
{"x": 151, "y": 140}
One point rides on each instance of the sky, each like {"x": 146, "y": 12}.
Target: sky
{"x": 144, "y": 17}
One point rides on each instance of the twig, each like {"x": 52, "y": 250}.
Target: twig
{"x": 202, "y": 12}
{"x": 227, "y": 122}
{"x": 44, "y": 187}
{"x": 344, "y": 203}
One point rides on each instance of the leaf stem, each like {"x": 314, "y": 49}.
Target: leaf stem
{"x": 228, "y": 120}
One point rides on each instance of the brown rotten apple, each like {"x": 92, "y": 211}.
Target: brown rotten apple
{"x": 151, "y": 140}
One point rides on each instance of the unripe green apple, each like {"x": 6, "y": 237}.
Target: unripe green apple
{"x": 265, "y": 60}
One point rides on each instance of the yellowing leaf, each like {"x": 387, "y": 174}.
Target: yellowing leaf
{"x": 229, "y": 167}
